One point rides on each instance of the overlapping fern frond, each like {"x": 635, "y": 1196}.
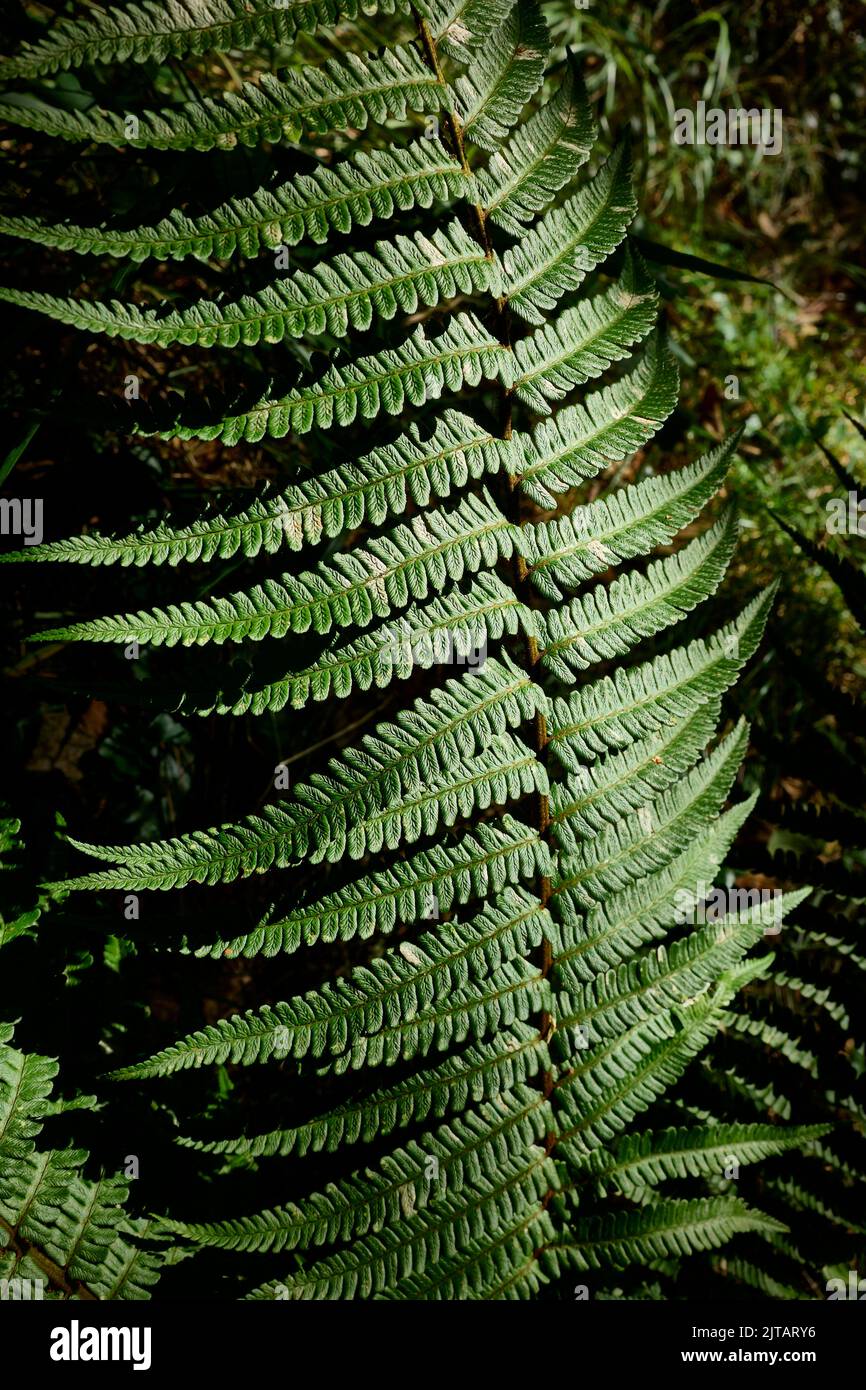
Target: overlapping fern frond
{"x": 798, "y": 1036}
{"x": 64, "y": 1233}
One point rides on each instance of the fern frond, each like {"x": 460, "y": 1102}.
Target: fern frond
{"x": 504, "y": 771}
{"x": 602, "y": 793}
{"x": 642, "y": 843}
{"x": 501, "y": 875}
{"x": 661, "y": 1230}
{"x": 427, "y": 1239}
{"x": 365, "y": 187}
{"x": 543, "y": 157}
{"x": 613, "y": 1082}
{"x": 74, "y": 1230}
{"x": 765, "y": 1100}
{"x": 584, "y": 340}
{"x": 443, "y": 757}
{"x": 152, "y": 32}
{"x": 26, "y": 1083}
{"x": 820, "y": 998}
{"x": 421, "y": 555}
{"x": 454, "y": 629}
{"x": 463, "y": 979}
{"x": 564, "y": 552}
{"x": 481, "y": 1072}
{"x": 459, "y": 27}
{"x": 479, "y": 864}
{"x": 746, "y": 1027}
{"x": 799, "y": 1198}
{"x": 348, "y": 292}
{"x": 581, "y": 440}
{"x": 367, "y": 491}
{"x": 56, "y": 1225}
{"x": 458, "y": 1155}
{"x": 419, "y": 370}
{"x": 345, "y": 92}
{"x": 605, "y": 935}
{"x": 504, "y": 75}
{"x": 559, "y": 252}
{"x": 625, "y": 996}
{"x": 760, "y": 1279}
{"x": 610, "y": 620}
{"x": 645, "y": 1160}
{"x": 511, "y": 1261}
{"x": 610, "y": 713}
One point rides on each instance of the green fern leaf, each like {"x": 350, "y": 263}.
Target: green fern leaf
{"x": 344, "y": 92}
{"x": 559, "y": 252}
{"x": 410, "y": 561}
{"x": 543, "y": 156}
{"x": 503, "y": 77}
{"x": 154, "y": 32}
{"x": 367, "y": 186}
{"x": 420, "y": 370}
{"x": 346, "y": 292}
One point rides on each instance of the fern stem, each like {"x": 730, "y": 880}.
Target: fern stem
{"x": 52, "y": 1271}
{"x": 513, "y": 509}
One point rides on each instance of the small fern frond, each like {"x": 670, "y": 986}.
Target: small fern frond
{"x": 417, "y": 371}
{"x": 152, "y": 32}
{"x": 463, "y": 979}
{"x": 609, "y": 620}
{"x": 394, "y": 1262}
{"x": 479, "y": 1073}
{"x": 662, "y": 1230}
{"x": 582, "y": 439}
{"x": 643, "y": 843}
{"x": 600, "y": 936}
{"x": 506, "y": 73}
{"x": 645, "y": 1160}
{"x": 600, "y": 794}
{"x": 398, "y": 277}
{"x": 454, "y": 629}
{"x": 407, "y": 563}
{"x": 610, "y": 713}
{"x": 559, "y": 252}
{"x": 477, "y": 865}
{"x": 441, "y": 759}
{"x": 365, "y": 187}
{"x": 463, "y": 1153}
{"x": 565, "y": 552}
{"x": 70, "y": 1233}
{"x": 368, "y": 491}
{"x": 345, "y": 92}
{"x": 543, "y": 157}
{"x": 585, "y": 340}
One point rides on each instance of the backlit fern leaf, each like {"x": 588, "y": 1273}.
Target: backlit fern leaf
{"x": 354, "y": 192}
{"x": 349, "y": 290}
{"x": 345, "y": 91}
{"x": 152, "y": 32}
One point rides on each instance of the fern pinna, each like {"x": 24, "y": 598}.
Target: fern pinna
{"x": 469, "y": 340}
